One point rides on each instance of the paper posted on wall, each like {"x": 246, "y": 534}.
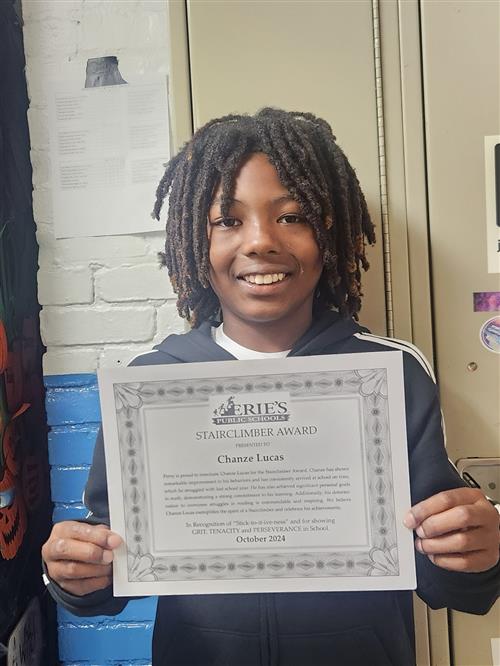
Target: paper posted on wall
{"x": 108, "y": 145}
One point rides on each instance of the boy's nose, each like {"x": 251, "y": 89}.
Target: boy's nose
{"x": 261, "y": 237}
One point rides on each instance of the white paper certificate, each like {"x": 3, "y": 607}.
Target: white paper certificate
{"x": 259, "y": 476}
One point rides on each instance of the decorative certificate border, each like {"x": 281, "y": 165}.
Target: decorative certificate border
{"x": 368, "y": 384}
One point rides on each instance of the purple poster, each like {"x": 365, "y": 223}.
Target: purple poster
{"x": 487, "y": 301}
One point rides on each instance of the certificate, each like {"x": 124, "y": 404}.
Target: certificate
{"x": 259, "y": 476}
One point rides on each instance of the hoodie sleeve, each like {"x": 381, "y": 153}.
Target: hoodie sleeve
{"x": 430, "y": 473}
{"x": 101, "y": 602}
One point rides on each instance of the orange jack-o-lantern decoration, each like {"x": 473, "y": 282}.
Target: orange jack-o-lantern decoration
{"x": 12, "y": 516}
{"x": 10, "y": 448}
{"x": 12, "y": 505}
{"x": 10, "y": 452}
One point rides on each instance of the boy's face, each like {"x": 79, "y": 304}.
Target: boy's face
{"x": 264, "y": 259}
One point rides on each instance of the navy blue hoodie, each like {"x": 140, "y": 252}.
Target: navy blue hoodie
{"x": 305, "y": 629}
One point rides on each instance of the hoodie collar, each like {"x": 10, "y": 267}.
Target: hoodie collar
{"x": 326, "y": 330}
{"x": 198, "y": 346}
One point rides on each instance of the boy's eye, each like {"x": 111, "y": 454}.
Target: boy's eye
{"x": 226, "y": 222}
{"x": 292, "y": 218}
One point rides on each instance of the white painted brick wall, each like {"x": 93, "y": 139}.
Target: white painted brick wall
{"x": 166, "y": 320}
{"x": 65, "y": 286}
{"x": 105, "y": 250}
{"x": 94, "y": 325}
{"x": 129, "y": 283}
{"x": 104, "y": 299}
{"x": 70, "y": 360}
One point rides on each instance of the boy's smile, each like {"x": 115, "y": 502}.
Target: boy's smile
{"x": 264, "y": 260}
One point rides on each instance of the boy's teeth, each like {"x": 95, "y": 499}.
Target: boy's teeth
{"x": 269, "y": 278}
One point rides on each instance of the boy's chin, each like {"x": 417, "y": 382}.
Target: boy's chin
{"x": 266, "y": 316}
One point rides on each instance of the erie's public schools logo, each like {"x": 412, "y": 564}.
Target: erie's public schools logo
{"x": 250, "y": 408}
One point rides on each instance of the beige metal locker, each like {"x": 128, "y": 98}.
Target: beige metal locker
{"x": 358, "y": 64}
{"x": 461, "y": 63}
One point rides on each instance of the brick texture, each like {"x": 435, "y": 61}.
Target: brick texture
{"x": 70, "y": 359}
{"x": 59, "y": 39}
{"x": 95, "y": 325}
{"x": 104, "y": 298}
{"x": 65, "y": 286}
{"x": 129, "y": 283}
{"x": 73, "y": 414}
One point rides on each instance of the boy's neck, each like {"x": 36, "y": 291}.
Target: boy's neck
{"x": 273, "y": 336}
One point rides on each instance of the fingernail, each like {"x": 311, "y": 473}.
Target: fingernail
{"x": 432, "y": 558}
{"x": 107, "y": 557}
{"x": 418, "y": 545}
{"x": 409, "y": 521}
{"x": 113, "y": 541}
{"x": 420, "y": 532}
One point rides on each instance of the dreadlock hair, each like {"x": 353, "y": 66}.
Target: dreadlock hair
{"x": 310, "y": 165}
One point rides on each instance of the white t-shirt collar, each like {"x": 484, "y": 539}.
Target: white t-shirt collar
{"x": 240, "y": 352}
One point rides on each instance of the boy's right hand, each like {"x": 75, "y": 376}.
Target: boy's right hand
{"x": 79, "y": 556}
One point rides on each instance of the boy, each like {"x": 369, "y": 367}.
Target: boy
{"x": 266, "y": 234}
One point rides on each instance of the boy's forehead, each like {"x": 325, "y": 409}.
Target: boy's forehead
{"x": 255, "y": 177}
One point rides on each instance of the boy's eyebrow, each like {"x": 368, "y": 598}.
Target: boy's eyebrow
{"x": 281, "y": 199}
{"x": 218, "y": 200}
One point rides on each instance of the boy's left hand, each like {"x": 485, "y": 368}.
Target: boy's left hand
{"x": 457, "y": 529}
